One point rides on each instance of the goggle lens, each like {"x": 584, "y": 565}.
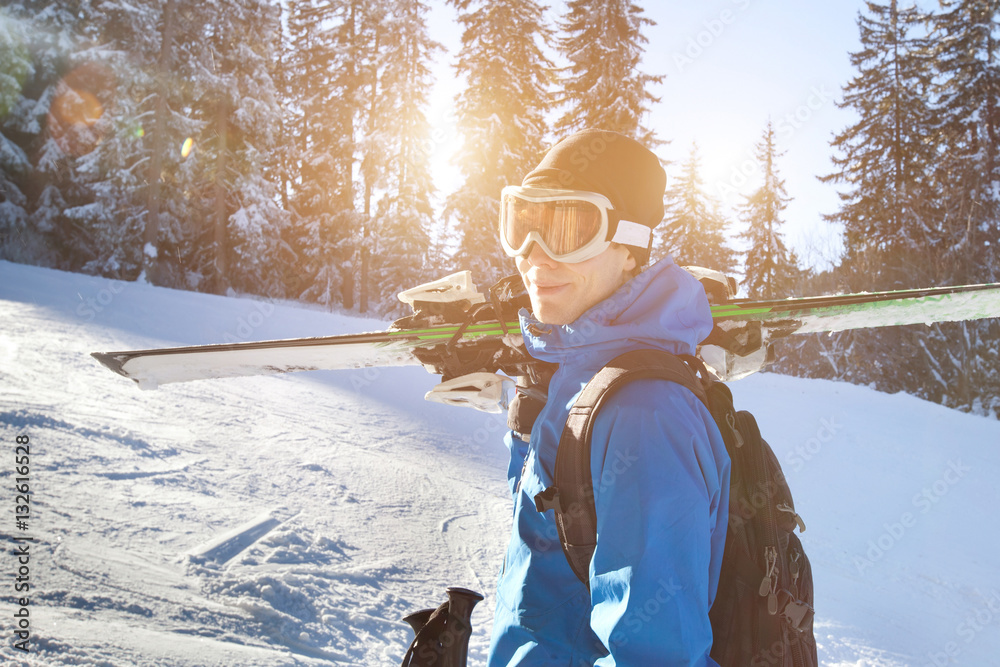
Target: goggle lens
{"x": 564, "y": 225}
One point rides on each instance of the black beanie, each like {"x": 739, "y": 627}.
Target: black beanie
{"x": 611, "y": 164}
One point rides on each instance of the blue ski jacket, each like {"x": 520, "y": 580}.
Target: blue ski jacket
{"x": 661, "y": 486}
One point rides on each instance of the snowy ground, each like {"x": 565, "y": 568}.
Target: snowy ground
{"x": 295, "y": 520}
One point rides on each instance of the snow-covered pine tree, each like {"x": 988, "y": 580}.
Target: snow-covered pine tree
{"x": 15, "y": 61}
{"x": 885, "y": 158}
{"x": 311, "y": 129}
{"x": 898, "y": 211}
{"x": 603, "y": 86}
{"x": 33, "y": 168}
{"x": 18, "y": 240}
{"x": 398, "y": 145}
{"x": 693, "y": 230}
{"x": 95, "y": 155}
{"x": 966, "y": 41}
{"x": 153, "y": 257}
{"x": 966, "y": 38}
{"x": 244, "y": 222}
{"x": 175, "y": 110}
{"x": 329, "y": 70}
{"x": 95, "y": 194}
{"x": 501, "y": 116}
{"x": 769, "y": 271}
{"x": 373, "y": 142}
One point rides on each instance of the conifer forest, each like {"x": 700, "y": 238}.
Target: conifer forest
{"x": 281, "y": 149}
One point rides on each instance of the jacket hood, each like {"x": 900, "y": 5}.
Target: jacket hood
{"x": 664, "y": 307}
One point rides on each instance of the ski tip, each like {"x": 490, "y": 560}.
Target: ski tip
{"x": 112, "y": 361}
{"x": 115, "y": 361}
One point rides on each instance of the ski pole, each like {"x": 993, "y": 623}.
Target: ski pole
{"x": 442, "y": 634}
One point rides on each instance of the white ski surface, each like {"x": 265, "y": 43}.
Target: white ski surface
{"x": 149, "y": 372}
{"x": 924, "y": 310}
{"x": 294, "y": 520}
{"x": 152, "y": 368}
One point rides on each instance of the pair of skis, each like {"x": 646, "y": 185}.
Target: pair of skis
{"x": 457, "y": 332}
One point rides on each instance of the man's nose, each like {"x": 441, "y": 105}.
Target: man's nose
{"x": 537, "y": 256}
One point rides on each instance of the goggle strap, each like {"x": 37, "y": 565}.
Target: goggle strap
{"x": 632, "y": 233}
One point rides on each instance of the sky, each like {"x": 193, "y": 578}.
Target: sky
{"x": 728, "y": 66}
{"x": 731, "y": 65}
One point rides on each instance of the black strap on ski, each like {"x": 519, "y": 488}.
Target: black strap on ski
{"x": 572, "y": 492}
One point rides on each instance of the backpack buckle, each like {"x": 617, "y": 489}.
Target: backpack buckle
{"x": 548, "y": 500}
{"x": 799, "y": 615}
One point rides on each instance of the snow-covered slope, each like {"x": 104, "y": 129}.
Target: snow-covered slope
{"x": 295, "y": 520}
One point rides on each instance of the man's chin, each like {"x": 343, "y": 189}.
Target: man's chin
{"x": 547, "y": 312}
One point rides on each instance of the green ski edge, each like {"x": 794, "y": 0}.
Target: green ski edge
{"x": 748, "y": 309}
{"x": 823, "y": 306}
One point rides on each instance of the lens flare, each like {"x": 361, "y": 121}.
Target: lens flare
{"x": 74, "y": 119}
{"x": 77, "y": 107}
{"x": 186, "y": 147}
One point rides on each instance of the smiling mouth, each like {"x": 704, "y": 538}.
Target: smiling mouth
{"x": 544, "y": 290}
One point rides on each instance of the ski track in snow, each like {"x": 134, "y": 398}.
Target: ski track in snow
{"x": 294, "y": 520}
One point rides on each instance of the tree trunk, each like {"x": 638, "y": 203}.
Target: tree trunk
{"x": 221, "y": 211}
{"x": 151, "y": 234}
{"x": 369, "y": 176}
{"x": 347, "y": 290}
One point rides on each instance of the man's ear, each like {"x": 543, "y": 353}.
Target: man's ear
{"x": 630, "y": 263}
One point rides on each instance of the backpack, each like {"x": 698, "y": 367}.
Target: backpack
{"x": 763, "y": 610}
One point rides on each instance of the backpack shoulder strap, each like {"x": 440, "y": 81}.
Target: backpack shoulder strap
{"x": 572, "y": 492}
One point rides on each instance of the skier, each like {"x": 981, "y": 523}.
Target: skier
{"x": 580, "y": 230}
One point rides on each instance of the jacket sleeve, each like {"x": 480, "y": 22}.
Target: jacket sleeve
{"x": 661, "y": 485}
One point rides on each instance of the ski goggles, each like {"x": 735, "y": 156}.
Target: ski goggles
{"x": 570, "y": 225}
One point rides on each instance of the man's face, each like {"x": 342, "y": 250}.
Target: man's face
{"x": 561, "y": 292}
